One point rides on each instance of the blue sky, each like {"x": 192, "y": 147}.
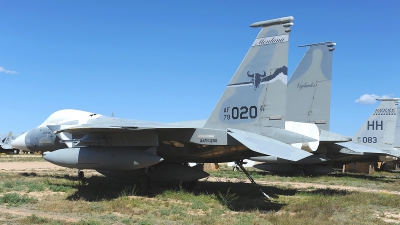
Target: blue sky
{"x": 170, "y": 61}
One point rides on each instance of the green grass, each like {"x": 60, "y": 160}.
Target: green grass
{"x": 227, "y": 198}
{"x": 21, "y": 158}
{"x": 100, "y": 200}
{"x": 33, "y": 219}
{"x": 379, "y": 180}
{"x": 23, "y": 182}
{"x": 14, "y": 199}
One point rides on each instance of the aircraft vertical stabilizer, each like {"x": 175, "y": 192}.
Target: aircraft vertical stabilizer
{"x": 255, "y": 97}
{"x": 309, "y": 88}
{"x": 397, "y": 133}
{"x": 7, "y": 141}
{"x": 379, "y": 130}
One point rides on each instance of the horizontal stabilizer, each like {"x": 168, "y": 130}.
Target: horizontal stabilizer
{"x": 307, "y": 160}
{"x": 268, "y": 146}
{"x": 393, "y": 152}
{"x": 356, "y": 149}
{"x": 286, "y": 136}
{"x": 327, "y": 136}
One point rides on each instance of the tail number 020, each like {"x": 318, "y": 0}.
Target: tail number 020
{"x": 244, "y": 112}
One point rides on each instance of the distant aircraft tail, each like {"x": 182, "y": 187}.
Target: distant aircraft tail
{"x": 256, "y": 95}
{"x": 397, "y": 132}
{"x": 379, "y": 130}
{"x": 309, "y": 88}
{"x": 7, "y": 141}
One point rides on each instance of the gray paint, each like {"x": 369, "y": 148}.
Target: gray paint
{"x": 380, "y": 126}
{"x": 102, "y": 158}
{"x": 397, "y": 132}
{"x": 355, "y": 150}
{"x": 265, "y": 98}
{"x": 309, "y": 88}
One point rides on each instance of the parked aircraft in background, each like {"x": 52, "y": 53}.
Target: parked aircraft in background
{"x": 309, "y": 91}
{"x": 397, "y": 133}
{"x": 248, "y": 122}
{"x": 5, "y": 144}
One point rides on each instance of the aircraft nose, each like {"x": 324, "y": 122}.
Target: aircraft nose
{"x": 19, "y": 143}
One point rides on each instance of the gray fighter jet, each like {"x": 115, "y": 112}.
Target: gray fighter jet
{"x": 248, "y": 121}
{"x": 309, "y": 91}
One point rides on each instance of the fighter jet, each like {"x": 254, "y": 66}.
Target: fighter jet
{"x": 309, "y": 91}
{"x": 5, "y": 144}
{"x": 248, "y": 121}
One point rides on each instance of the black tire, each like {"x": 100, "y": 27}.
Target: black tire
{"x": 235, "y": 168}
{"x": 384, "y": 166}
{"x": 81, "y": 174}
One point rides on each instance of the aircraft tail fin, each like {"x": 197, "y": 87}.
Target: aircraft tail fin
{"x": 7, "y": 141}
{"x": 397, "y": 133}
{"x": 379, "y": 130}
{"x": 309, "y": 88}
{"x": 256, "y": 95}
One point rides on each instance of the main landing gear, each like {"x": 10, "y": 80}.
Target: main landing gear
{"x": 240, "y": 164}
{"x": 81, "y": 175}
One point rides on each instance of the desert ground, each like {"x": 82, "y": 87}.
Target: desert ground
{"x": 33, "y": 191}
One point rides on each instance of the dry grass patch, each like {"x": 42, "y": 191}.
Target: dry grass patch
{"x": 21, "y": 158}
{"x": 99, "y": 200}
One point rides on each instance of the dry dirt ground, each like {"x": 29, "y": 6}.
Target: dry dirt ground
{"x": 46, "y": 167}
{"x": 304, "y": 185}
{"x": 37, "y": 167}
{"x": 28, "y": 166}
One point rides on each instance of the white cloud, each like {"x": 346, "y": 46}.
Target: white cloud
{"x": 369, "y": 98}
{"x": 2, "y": 70}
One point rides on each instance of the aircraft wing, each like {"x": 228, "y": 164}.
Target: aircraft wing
{"x": 268, "y": 146}
{"x": 254, "y": 142}
{"x": 191, "y": 124}
{"x": 84, "y": 128}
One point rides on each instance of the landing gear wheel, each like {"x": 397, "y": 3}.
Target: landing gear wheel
{"x": 300, "y": 173}
{"x": 384, "y": 166}
{"x": 81, "y": 175}
{"x": 235, "y": 168}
